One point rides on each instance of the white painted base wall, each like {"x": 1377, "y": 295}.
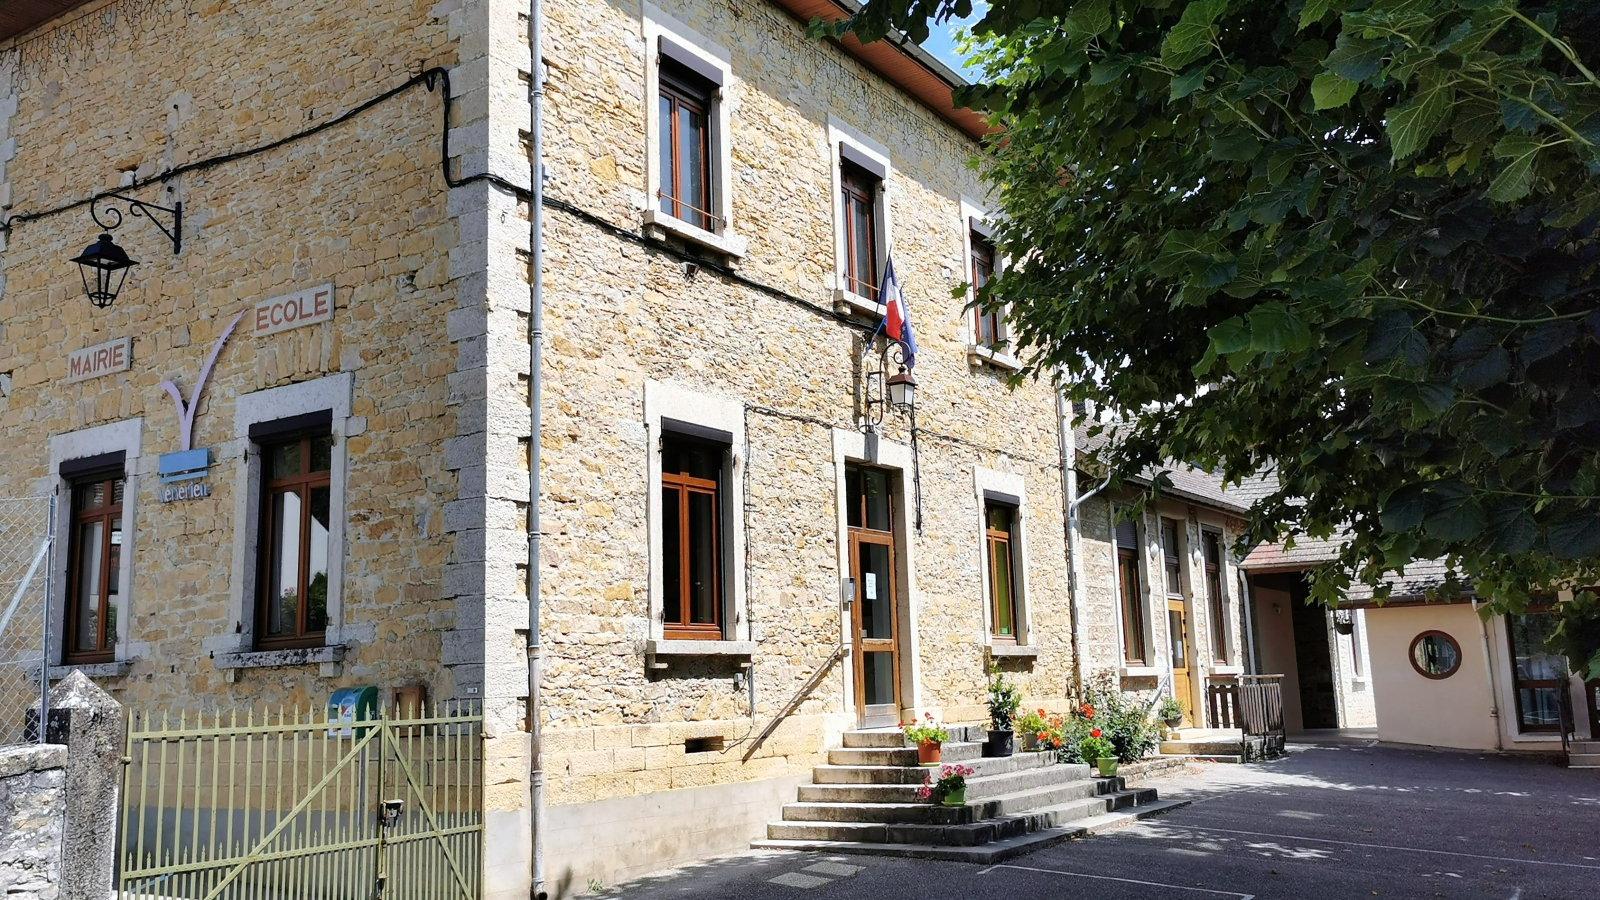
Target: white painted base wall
{"x": 616, "y": 840}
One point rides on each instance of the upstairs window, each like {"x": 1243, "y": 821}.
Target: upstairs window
{"x": 94, "y": 567}
{"x": 1212, "y": 545}
{"x": 1171, "y": 558}
{"x": 1133, "y": 646}
{"x": 692, "y": 543}
{"x": 293, "y": 575}
{"x": 1000, "y": 525}
{"x": 685, "y": 137}
{"x": 860, "y": 197}
{"x": 990, "y": 320}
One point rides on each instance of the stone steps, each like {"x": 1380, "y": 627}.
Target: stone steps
{"x": 865, "y": 800}
{"x": 891, "y": 738}
{"x": 1583, "y": 761}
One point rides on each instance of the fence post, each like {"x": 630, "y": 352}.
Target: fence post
{"x": 92, "y": 726}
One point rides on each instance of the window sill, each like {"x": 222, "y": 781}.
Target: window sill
{"x": 270, "y": 659}
{"x": 1013, "y": 651}
{"x": 656, "y": 650}
{"x": 1141, "y": 671}
{"x": 115, "y": 669}
{"x": 978, "y": 355}
{"x": 849, "y": 303}
{"x": 658, "y": 225}
{"x": 1227, "y": 670}
{"x": 1536, "y": 738}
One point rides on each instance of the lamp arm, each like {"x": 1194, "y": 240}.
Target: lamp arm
{"x": 140, "y": 208}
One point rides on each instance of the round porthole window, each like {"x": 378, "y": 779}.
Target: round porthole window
{"x": 1435, "y": 654}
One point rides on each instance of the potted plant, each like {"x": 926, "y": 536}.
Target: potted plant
{"x": 1031, "y": 725}
{"x": 1003, "y": 703}
{"x": 951, "y": 787}
{"x": 1170, "y": 711}
{"x": 1099, "y": 752}
{"x": 928, "y": 736}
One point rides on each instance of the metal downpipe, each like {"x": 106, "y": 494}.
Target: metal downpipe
{"x": 535, "y": 423}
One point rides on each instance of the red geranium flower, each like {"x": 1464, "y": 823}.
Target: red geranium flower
{"x": 1094, "y": 732}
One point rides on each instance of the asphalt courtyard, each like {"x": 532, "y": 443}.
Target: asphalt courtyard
{"x": 1346, "y": 821}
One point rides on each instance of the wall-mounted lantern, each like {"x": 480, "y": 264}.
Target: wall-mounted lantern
{"x": 902, "y": 391}
{"x": 884, "y": 391}
{"x": 103, "y": 265}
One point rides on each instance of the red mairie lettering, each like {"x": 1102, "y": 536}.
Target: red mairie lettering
{"x": 306, "y": 307}
{"x": 101, "y": 359}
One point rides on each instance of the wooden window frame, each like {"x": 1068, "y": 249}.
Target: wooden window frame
{"x": 1411, "y": 654}
{"x": 1134, "y": 650}
{"x": 996, "y": 541}
{"x": 1517, "y": 684}
{"x": 107, "y": 514}
{"x": 857, "y": 186}
{"x": 302, "y": 484}
{"x": 988, "y": 325}
{"x": 684, "y": 89}
{"x": 1171, "y": 557}
{"x": 1211, "y": 543}
{"x": 686, "y": 485}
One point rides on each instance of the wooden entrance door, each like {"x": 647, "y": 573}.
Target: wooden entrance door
{"x": 1178, "y": 635}
{"x": 875, "y": 612}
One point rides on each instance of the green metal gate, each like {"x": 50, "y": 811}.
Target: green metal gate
{"x": 284, "y": 806}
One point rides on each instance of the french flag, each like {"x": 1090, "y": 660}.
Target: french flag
{"x": 896, "y": 316}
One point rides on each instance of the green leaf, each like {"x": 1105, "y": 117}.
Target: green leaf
{"x": 1486, "y": 371}
{"x": 1512, "y": 526}
{"x": 1313, "y": 13}
{"x": 1355, "y": 58}
{"x": 1107, "y": 71}
{"x": 1545, "y": 340}
{"x": 1516, "y": 179}
{"x": 1576, "y": 536}
{"x": 1329, "y": 90}
{"x": 1457, "y": 518}
{"x": 1404, "y": 509}
{"x": 1414, "y": 122}
{"x": 1191, "y": 38}
{"x": 1089, "y": 19}
{"x": 1274, "y": 328}
{"x": 1229, "y": 336}
{"x": 1237, "y": 145}
{"x": 1187, "y": 83}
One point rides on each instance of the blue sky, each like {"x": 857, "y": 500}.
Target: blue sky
{"x": 941, "y": 41}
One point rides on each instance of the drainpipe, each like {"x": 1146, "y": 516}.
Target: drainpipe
{"x": 1247, "y": 593}
{"x": 535, "y": 417}
{"x": 1488, "y": 672}
{"x": 1070, "y": 503}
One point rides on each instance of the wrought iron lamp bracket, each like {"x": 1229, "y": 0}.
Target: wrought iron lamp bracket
{"x": 875, "y": 383}
{"x": 140, "y": 208}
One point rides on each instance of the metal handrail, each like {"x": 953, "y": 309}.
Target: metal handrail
{"x": 794, "y": 701}
{"x": 710, "y": 216}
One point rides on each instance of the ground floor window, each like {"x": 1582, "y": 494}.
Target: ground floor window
{"x": 293, "y": 574}
{"x": 1538, "y": 676}
{"x": 1133, "y": 646}
{"x": 691, "y": 536}
{"x": 94, "y": 554}
{"x": 1000, "y": 522}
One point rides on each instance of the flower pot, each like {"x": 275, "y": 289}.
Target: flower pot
{"x": 956, "y": 798}
{"x": 1030, "y": 743}
{"x": 928, "y": 753}
{"x": 1174, "y": 722}
{"x": 999, "y": 743}
{"x": 1107, "y": 766}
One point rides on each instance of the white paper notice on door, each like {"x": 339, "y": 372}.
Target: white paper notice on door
{"x": 870, "y": 588}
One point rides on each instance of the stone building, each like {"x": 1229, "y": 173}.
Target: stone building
{"x": 293, "y": 452}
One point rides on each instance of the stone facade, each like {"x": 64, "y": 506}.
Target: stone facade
{"x": 33, "y": 802}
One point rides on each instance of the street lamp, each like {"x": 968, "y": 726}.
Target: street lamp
{"x": 109, "y": 265}
{"x": 902, "y": 390}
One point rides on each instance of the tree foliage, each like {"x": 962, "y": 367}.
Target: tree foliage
{"x": 1351, "y": 240}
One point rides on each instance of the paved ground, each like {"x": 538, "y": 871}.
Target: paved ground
{"x": 1332, "y": 820}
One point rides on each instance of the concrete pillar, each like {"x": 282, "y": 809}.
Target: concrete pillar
{"x": 92, "y": 726}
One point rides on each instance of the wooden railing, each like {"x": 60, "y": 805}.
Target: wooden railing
{"x": 1251, "y": 703}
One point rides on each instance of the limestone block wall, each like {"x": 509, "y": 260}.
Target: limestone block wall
{"x": 147, "y": 86}
{"x": 620, "y": 312}
{"x": 33, "y": 801}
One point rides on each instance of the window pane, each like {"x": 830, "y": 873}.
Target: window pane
{"x": 877, "y": 675}
{"x": 668, "y": 160}
{"x": 117, "y": 485}
{"x": 321, "y": 453}
{"x": 283, "y": 570}
{"x": 1538, "y": 707}
{"x": 1169, "y": 547}
{"x": 1175, "y": 633}
{"x": 1132, "y": 608}
{"x": 671, "y": 556}
{"x": 877, "y": 585}
{"x": 852, "y": 493}
{"x": 91, "y": 495}
{"x": 703, "y": 558}
{"x": 87, "y": 597}
{"x": 1533, "y": 661}
{"x": 285, "y": 460}
{"x": 878, "y": 499}
{"x": 1000, "y": 582}
{"x": 1435, "y": 655}
{"x": 691, "y": 163}
{"x": 317, "y": 560}
{"x": 113, "y": 581}
{"x": 861, "y": 251}
{"x": 683, "y": 455}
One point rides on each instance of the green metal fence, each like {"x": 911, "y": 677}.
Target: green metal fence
{"x": 280, "y": 806}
